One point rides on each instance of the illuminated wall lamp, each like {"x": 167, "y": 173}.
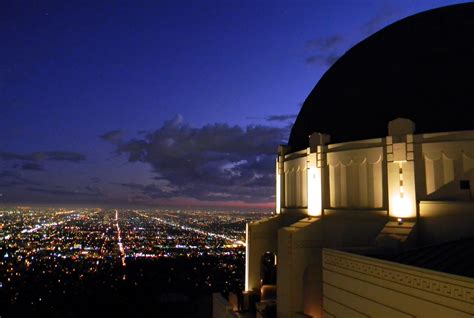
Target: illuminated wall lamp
{"x": 278, "y": 193}
{"x": 401, "y": 203}
{"x": 314, "y": 191}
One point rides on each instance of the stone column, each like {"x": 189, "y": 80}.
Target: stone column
{"x": 316, "y": 162}
{"x": 401, "y": 169}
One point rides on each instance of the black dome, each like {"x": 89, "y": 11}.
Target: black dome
{"x": 421, "y": 68}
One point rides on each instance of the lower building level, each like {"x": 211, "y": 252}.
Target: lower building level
{"x": 343, "y": 214}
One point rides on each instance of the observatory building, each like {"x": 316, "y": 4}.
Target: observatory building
{"x": 374, "y": 192}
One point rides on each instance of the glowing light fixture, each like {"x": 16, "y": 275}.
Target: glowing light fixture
{"x": 247, "y": 257}
{"x": 402, "y": 207}
{"x": 401, "y": 203}
{"x": 278, "y": 192}
{"x": 314, "y": 191}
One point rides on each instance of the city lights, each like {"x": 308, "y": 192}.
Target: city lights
{"x": 63, "y": 249}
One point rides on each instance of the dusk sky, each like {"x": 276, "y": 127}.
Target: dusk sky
{"x": 163, "y": 102}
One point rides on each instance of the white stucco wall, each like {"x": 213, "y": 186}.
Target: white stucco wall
{"x": 296, "y": 183}
{"x": 360, "y": 184}
{"x": 358, "y": 286}
{"x": 355, "y": 178}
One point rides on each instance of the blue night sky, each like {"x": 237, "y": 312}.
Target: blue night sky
{"x": 163, "y": 102}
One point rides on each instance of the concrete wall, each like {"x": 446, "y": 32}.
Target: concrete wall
{"x": 442, "y": 221}
{"x": 299, "y": 276}
{"x": 352, "y": 228}
{"x": 299, "y": 245}
{"x": 358, "y": 286}
{"x": 393, "y": 173}
{"x": 363, "y": 185}
{"x": 261, "y": 238}
{"x": 446, "y": 160}
{"x": 312, "y": 282}
{"x": 355, "y": 178}
{"x": 296, "y": 182}
{"x": 221, "y": 308}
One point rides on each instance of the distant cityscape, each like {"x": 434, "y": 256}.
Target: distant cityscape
{"x": 69, "y": 262}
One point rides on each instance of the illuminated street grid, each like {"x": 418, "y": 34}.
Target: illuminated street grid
{"x": 60, "y": 249}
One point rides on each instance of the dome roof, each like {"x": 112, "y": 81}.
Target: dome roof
{"x": 421, "y": 68}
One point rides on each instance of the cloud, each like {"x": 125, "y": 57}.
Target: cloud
{"x": 326, "y": 43}
{"x": 277, "y": 118}
{"x": 33, "y": 166}
{"x": 385, "y": 15}
{"x": 10, "y": 183}
{"x": 88, "y": 191}
{"x": 95, "y": 179}
{"x": 323, "y": 59}
{"x": 10, "y": 178}
{"x": 326, "y": 50}
{"x": 45, "y": 155}
{"x": 9, "y": 174}
{"x": 209, "y": 161}
{"x": 114, "y": 136}
{"x": 281, "y": 117}
{"x": 161, "y": 189}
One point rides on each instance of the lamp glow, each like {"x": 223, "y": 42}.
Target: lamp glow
{"x": 278, "y": 193}
{"x": 314, "y": 191}
{"x": 247, "y": 257}
{"x": 402, "y": 207}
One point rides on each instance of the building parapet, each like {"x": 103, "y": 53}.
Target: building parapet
{"x": 403, "y": 285}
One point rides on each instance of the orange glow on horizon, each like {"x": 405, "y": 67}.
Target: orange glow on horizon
{"x": 180, "y": 202}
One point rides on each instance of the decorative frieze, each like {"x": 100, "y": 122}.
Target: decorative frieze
{"x": 421, "y": 281}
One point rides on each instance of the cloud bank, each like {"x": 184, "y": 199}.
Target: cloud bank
{"x": 44, "y": 155}
{"x": 326, "y": 50}
{"x": 216, "y": 162}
